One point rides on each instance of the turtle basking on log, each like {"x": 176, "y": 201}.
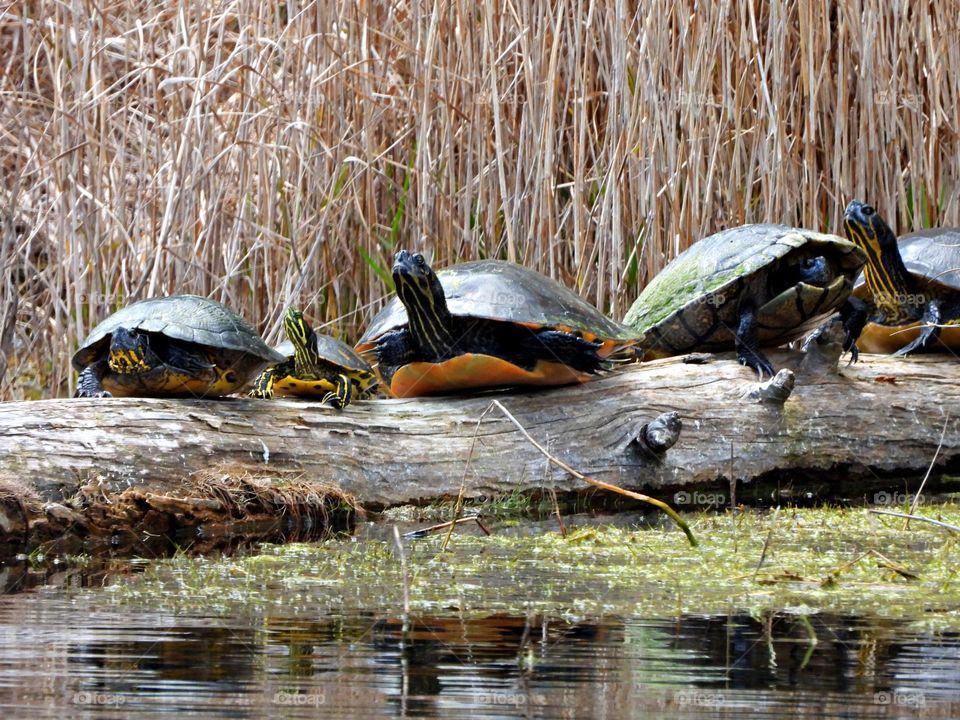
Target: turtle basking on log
{"x": 316, "y": 366}
{"x": 910, "y": 286}
{"x": 486, "y": 324}
{"x": 744, "y": 289}
{"x": 182, "y": 345}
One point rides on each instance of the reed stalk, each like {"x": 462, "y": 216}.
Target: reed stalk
{"x": 266, "y": 154}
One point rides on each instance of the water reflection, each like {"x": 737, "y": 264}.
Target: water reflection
{"x": 67, "y": 654}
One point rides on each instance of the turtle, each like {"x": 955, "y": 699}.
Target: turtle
{"x": 743, "y": 289}
{"x": 181, "y": 345}
{"x": 910, "y": 286}
{"x": 486, "y": 324}
{"x": 316, "y": 366}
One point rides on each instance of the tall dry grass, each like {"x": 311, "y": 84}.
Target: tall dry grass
{"x": 270, "y": 153}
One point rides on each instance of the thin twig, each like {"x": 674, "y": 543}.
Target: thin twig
{"x": 948, "y": 526}
{"x": 916, "y": 499}
{"x": 556, "y": 509}
{"x": 766, "y": 543}
{"x": 458, "y": 505}
{"x": 423, "y": 532}
{"x": 600, "y": 483}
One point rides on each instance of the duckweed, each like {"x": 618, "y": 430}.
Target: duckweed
{"x": 795, "y": 560}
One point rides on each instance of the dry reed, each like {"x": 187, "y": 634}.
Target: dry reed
{"x": 264, "y": 154}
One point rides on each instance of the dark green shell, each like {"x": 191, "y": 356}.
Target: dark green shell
{"x": 694, "y": 302}
{"x": 189, "y": 318}
{"x": 499, "y": 290}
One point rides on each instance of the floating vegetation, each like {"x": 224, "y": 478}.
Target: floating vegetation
{"x": 792, "y": 560}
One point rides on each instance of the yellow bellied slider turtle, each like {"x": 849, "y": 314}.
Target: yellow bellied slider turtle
{"x": 744, "y": 288}
{"x": 911, "y": 286}
{"x": 485, "y": 324}
{"x": 182, "y": 345}
{"x": 316, "y": 366}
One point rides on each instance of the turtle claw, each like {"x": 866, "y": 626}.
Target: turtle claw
{"x": 96, "y": 394}
{"x": 854, "y": 355}
{"x": 753, "y": 359}
{"x": 913, "y": 347}
{"x": 923, "y": 341}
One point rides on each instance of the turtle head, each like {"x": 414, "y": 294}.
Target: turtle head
{"x": 815, "y": 271}
{"x": 421, "y": 293}
{"x": 128, "y": 352}
{"x": 303, "y": 337}
{"x": 867, "y": 229}
{"x": 885, "y": 274}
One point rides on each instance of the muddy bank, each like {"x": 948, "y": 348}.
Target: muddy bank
{"x": 96, "y": 466}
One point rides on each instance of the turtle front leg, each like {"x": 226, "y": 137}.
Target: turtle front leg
{"x": 932, "y": 319}
{"x": 393, "y": 350}
{"x": 565, "y": 348}
{"x": 342, "y": 393}
{"x": 748, "y": 343}
{"x": 854, "y": 314}
{"x": 90, "y": 381}
{"x": 263, "y": 385}
{"x": 191, "y": 363}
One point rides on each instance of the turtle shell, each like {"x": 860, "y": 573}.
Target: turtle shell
{"x": 694, "y": 302}
{"x": 505, "y": 291}
{"x": 332, "y": 350}
{"x": 933, "y": 256}
{"x": 188, "y": 318}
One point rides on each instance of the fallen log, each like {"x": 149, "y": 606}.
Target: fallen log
{"x": 95, "y": 465}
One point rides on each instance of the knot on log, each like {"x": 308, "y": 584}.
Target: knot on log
{"x": 660, "y": 434}
{"x": 776, "y": 390}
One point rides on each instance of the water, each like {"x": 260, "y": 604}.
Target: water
{"x": 72, "y": 644}
{"x": 60, "y": 657}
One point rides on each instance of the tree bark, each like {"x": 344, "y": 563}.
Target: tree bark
{"x": 880, "y": 419}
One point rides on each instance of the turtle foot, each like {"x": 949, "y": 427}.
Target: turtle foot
{"x": 92, "y": 394}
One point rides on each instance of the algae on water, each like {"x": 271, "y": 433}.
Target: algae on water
{"x": 842, "y": 561}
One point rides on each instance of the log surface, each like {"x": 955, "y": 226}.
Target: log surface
{"x": 882, "y": 417}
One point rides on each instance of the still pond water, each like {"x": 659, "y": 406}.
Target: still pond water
{"x": 244, "y": 637}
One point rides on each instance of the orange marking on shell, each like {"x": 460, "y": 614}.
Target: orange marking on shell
{"x": 473, "y": 371}
{"x": 886, "y": 339}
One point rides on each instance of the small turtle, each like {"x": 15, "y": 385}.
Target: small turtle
{"x": 316, "y": 366}
{"x": 486, "y": 324}
{"x": 911, "y": 286}
{"x": 182, "y": 345}
{"x": 745, "y": 288}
